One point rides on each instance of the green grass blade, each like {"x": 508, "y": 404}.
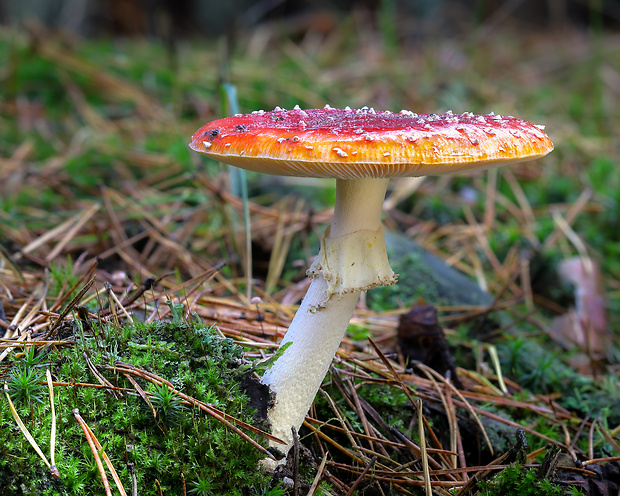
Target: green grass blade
{"x": 239, "y": 185}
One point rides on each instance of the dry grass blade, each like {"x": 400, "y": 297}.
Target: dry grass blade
{"x": 317, "y": 477}
{"x": 498, "y": 369}
{"x": 456, "y": 443}
{"x": 78, "y": 223}
{"x": 609, "y": 438}
{"x": 14, "y": 344}
{"x": 427, "y": 477}
{"x": 571, "y": 235}
{"x": 362, "y": 415}
{"x": 345, "y": 427}
{"x": 85, "y": 384}
{"x": 146, "y": 285}
{"x": 32, "y": 316}
{"x": 50, "y": 387}
{"x": 7, "y": 260}
{"x": 601, "y": 460}
{"x": 107, "y": 460}
{"x": 88, "y": 275}
{"x": 417, "y": 476}
{"x": 392, "y": 371}
{"x": 524, "y": 204}
{"x": 115, "y": 302}
{"x": 14, "y": 328}
{"x": 281, "y": 246}
{"x": 370, "y": 439}
{"x": 409, "y": 479}
{"x": 575, "y": 209}
{"x": 105, "y": 81}
{"x": 450, "y": 414}
{"x": 102, "y": 380}
{"x": 26, "y": 432}
{"x": 483, "y": 241}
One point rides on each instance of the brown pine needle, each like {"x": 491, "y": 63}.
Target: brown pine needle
{"x": 96, "y": 448}
{"x": 335, "y": 444}
{"x": 142, "y": 394}
{"x": 357, "y": 482}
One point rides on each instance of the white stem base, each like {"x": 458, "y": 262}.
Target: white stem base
{"x": 315, "y": 335}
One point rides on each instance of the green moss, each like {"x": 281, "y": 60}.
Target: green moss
{"x": 179, "y": 443}
{"x": 517, "y": 480}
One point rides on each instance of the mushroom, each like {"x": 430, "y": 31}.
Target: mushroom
{"x": 361, "y": 149}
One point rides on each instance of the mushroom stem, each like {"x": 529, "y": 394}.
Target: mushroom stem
{"x": 356, "y": 239}
{"x": 359, "y": 203}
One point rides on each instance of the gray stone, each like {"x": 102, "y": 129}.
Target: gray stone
{"x": 423, "y": 275}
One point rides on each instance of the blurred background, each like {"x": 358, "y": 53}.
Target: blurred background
{"x": 183, "y": 18}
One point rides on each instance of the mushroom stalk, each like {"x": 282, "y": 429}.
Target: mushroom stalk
{"x": 352, "y": 259}
{"x": 359, "y": 203}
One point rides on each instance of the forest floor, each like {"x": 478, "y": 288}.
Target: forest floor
{"x": 125, "y": 273}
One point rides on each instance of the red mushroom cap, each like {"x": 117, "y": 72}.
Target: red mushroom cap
{"x": 351, "y": 144}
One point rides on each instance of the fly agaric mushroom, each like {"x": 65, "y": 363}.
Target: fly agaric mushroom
{"x": 362, "y": 149}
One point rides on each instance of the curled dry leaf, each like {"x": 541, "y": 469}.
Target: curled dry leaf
{"x": 585, "y": 325}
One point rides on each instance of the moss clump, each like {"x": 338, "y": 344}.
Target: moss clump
{"x": 169, "y": 443}
{"x": 517, "y": 480}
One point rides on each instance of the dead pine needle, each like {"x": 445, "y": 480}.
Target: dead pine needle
{"x": 68, "y": 308}
{"x": 357, "y": 482}
{"x": 96, "y": 448}
{"x": 158, "y": 486}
